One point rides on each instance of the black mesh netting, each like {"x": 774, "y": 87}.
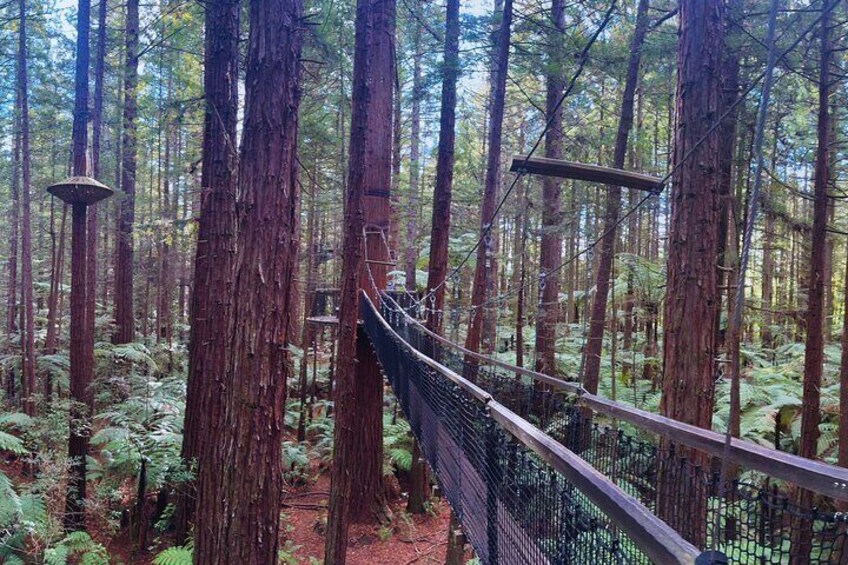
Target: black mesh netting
{"x": 513, "y": 507}
{"x": 757, "y": 522}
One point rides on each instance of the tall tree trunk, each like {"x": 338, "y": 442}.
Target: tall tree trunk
{"x": 814, "y": 351}
{"x": 412, "y": 210}
{"x": 842, "y": 459}
{"x": 307, "y": 337}
{"x": 96, "y": 135}
{"x": 366, "y": 465}
{"x": 595, "y": 340}
{"x": 82, "y": 341}
{"x": 358, "y": 394}
{"x": 240, "y": 485}
{"x": 550, "y": 248}
{"x": 27, "y": 300}
{"x": 124, "y": 313}
{"x": 11, "y": 325}
{"x": 479, "y": 337}
{"x": 727, "y": 145}
{"x": 213, "y": 263}
{"x": 440, "y": 222}
{"x": 691, "y": 294}
{"x": 341, "y": 485}
{"x": 767, "y": 289}
{"x": 519, "y": 253}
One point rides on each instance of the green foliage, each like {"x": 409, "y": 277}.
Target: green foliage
{"x": 175, "y": 556}
{"x": 146, "y": 426}
{"x": 81, "y": 547}
{"x": 8, "y": 442}
{"x": 397, "y": 445}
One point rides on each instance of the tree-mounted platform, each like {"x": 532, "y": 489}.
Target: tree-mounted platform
{"x": 580, "y": 171}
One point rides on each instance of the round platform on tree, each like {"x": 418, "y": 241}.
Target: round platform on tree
{"x": 80, "y": 190}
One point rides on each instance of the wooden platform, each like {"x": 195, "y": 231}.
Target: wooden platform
{"x": 323, "y": 320}
{"x": 590, "y": 173}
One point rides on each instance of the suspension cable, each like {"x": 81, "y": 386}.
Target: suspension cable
{"x": 742, "y": 97}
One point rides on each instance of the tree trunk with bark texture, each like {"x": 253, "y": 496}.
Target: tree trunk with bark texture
{"x": 345, "y": 408}
{"x": 124, "y": 247}
{"x": 727, "y": 145}
{"x": 479, "y": 337}
{"x": 412, "y": 211}
{"x": 691, "y": 293}
{"x": 96, "y": 138}
{"x": 440, "y": 223}
{"x": 595, "y": 339}
{"x": 550, "y": 248}
{"x": 82, "y": 340}
{"x": 240, "y": 485}
{"x": 11, "y": 325}
{"x": 366, "y": 465}
{"x": 213, "y": 263}
{"x": 814, "y": 351}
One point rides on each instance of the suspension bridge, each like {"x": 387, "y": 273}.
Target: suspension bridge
{"x": 537, "y": 470}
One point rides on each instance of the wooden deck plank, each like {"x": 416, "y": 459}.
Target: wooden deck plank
{"x": 581, "y": 171}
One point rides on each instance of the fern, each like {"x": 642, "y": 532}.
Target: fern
{"x": 175, "y": 556}
{"x": 56, "y": 555}
{"x": 17, "y": 420}
{"x": 8, "y": 442}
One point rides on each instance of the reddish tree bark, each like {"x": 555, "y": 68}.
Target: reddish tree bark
{"x": 11, "y": 325}
{"x": 482, "y": 314}
{"x": 689, "y": 341}
{"x": 240, "y": 485}
{"x": 412, "y": 211}
{"x": 213, "y": 263}
{"x": 550, "y": 247}
{"x": 440, "y": 223}
{"x": 366, "y": 466}
{"x": 842, "y": 458}
{"x": 96, "y": 135}
{"x": 347, "y": 392}
{"x": 814, "y": 351}
{"x": 82, "y": 340}
{"x": 124, "y": 314}
{"x": 688, "y": 392}
{"x": 595, "y": 339}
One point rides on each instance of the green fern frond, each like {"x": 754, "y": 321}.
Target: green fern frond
{"x": 175, "y": 556}
{"x": 16, "y": 420}
{"x": 56, "y": 555}
{"x": 8, "y": 442}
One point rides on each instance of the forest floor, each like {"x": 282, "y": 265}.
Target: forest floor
{"x": 408, "y": 539}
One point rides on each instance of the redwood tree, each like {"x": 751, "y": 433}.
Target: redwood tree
{"x": 689, "y": 340}
{"x": 213, "y": 261}
{"x": 595, "y": 339}
{"x": 485, "y": 270}
{"x": 815, "y": 317}
{"x": 550, "y": 247}
{"x": 371, "y": 17}
{"x": 82, "y": 339}
{"x": 124, "y": 314}
{"x": 688, "y": 392}
{"x": 440, "y": 224}
{"x": 240, "y": 485}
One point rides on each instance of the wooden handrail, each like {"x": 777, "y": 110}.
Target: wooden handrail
{"x": 653, "y": 536}
{"x": 817, "y": 476}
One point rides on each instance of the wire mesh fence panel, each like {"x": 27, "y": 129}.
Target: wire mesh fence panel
{"x": 513, "y": 507}
{"x": 752, "y": 518}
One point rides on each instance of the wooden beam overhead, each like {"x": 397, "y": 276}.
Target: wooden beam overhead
{"x": 590, "y": 173}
